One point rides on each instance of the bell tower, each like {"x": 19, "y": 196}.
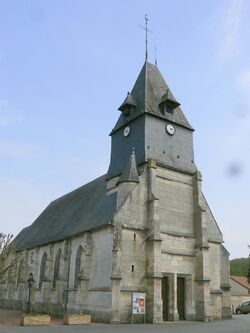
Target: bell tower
{"x": 152, "y": 122}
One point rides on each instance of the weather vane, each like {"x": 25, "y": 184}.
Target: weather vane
{"x": 146, "y": 30}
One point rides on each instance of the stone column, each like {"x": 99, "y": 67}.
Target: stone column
{"x": 226, "y": 302}
{"x": 189, "y": 298}
{"x": 202, "y": 279}
{"x": 225, "y": 285}
{"x": 173, "y": 310}
{"x": 115, "y": 306}
{"x": 154, "y": 274}
{"x": 116, "y": 275}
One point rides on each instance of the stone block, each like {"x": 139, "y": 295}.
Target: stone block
{"x": 35, "y": 319}
{"x": 76, "y": 319}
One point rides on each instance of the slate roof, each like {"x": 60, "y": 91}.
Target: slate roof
{"x": 83, "y": 209}
{"x": 129, "y": 100}
{"x": 147, "y": 92}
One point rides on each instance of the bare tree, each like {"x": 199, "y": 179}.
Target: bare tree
{"x": 7, "y": 249}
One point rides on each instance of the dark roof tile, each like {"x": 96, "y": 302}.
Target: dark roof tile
{"x": 83, "y": 209}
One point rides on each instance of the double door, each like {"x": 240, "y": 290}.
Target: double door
{"x": 168, "y": 302}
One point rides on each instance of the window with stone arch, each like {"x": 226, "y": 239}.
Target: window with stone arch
{"x": 42, "y": 269}
{"x": 19, "y": 272}
{"x": 78, "y": 268}
{"x": 56, "y": 276}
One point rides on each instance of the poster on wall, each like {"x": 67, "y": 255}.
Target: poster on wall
{"x": 138, "y": 303}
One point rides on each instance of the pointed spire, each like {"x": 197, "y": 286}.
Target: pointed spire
{"x": 149, "y": 89}
{"x": 130, "y": 172}
{"x": 149, "y": 92}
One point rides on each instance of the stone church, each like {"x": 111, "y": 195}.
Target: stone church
{"x": 143, "y": 227}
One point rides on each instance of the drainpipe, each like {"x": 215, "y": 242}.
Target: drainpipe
{"x": 68, "y": 274}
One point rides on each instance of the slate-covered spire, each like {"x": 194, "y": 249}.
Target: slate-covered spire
{"x": 147, "y": 113}
{"x": 149, "y": 88}
{"x": 149, "y": 92}
{"x": 130, "y": 172}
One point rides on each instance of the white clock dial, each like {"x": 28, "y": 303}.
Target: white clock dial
{"x": 170, "y": 129}
{"x": 126, "y": 131}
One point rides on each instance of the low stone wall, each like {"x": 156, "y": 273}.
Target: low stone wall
{"x": 76, "y": 319}
{"x": 35, "y": 319}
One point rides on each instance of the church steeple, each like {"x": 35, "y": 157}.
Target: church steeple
{"x": 149, "y": 92}
{"x": 152, "y": 121}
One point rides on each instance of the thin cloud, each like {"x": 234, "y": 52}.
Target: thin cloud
{"x": 243, "y": 81}
{"x": 230, "y": 36}
{"x": 18, "y": 150}
{"x": 7, "y": 118}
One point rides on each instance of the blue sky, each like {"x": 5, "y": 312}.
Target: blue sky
{"x": 66, "y": 66}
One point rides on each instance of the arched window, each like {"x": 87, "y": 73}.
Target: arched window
{"x": 19, "y": 272}
{"x": 78, "y": 266}
{"x": 42, "y": 269}
{"x": 57, "y": 267}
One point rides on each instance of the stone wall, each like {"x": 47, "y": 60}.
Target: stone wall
{"x": 175, "y": 194}
{"x": 163, "y": 228}
{"x": 93, "y": 293}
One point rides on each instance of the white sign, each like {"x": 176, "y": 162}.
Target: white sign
{"x": 138, "y": 303}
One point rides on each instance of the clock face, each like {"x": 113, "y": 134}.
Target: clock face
{"x": 170, "y": 129}
{"x": 126, "y": 131}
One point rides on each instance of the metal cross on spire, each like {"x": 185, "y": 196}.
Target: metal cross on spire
{"x": 146, "y": 30}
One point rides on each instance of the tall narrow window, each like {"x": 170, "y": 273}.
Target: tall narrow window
{"x": 78, "y": 266}
{"x": 57, "y": 267}
{"x": 19, "y": 272}
{"x": 42, "y": 269}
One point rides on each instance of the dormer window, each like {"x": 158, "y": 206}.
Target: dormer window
{"x": 168, "y": 104}
{"x": 128, "y": 106}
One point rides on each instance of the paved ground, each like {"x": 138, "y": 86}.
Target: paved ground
{"x": 9, "y": 323}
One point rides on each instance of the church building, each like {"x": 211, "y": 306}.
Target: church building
{"x": 143, "y": 228}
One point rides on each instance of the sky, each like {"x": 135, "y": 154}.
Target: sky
{"x": 65, "y": 68}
